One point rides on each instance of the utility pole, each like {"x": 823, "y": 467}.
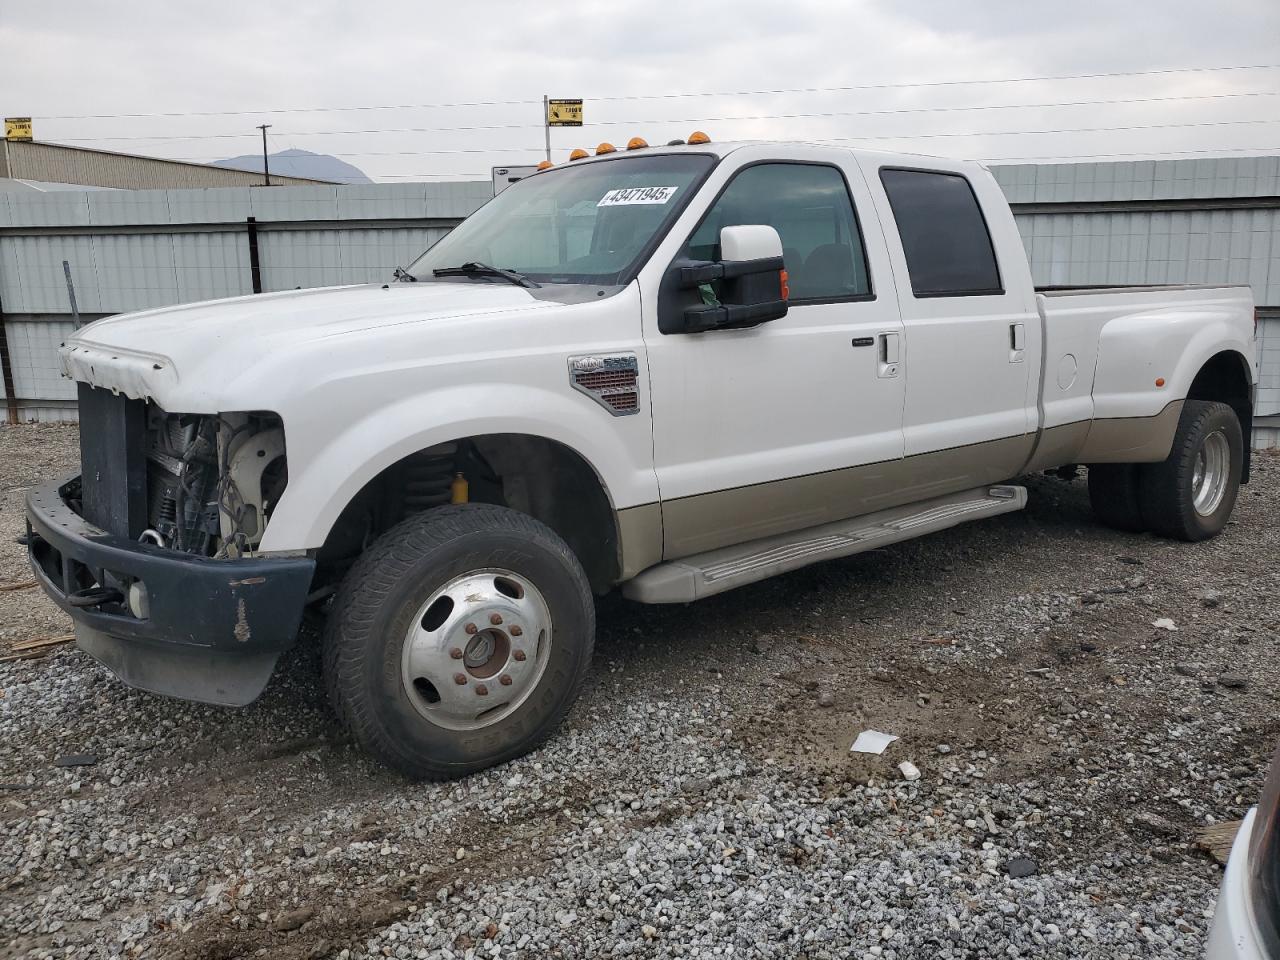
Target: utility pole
{"x": 266, "y": 169}
{"x": 546, "y": 123}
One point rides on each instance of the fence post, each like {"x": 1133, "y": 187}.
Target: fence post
{"x": 6, "y": 373}
{"x": 255, "y": 270}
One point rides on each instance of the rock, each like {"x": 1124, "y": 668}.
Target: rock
{"x": 944, "y": 748}
{"x": 696, "y": 785}
{"x": 909, "y": 770}
{"x": 762, "y": 645}
{"x": 649, "y": 931}
{"x": 1157, "y": 824}
{"x": 1136, "y": 583}
{"x": 293, "y": 919}
{"x": 1233, "y": 681}
{"x": 1020, "y": 867}
{"x": 1164, "y": 623}
{"x": 826, "y": 698}
{"x": 1186, "y": 669}
{"x": 1209, "y": 598}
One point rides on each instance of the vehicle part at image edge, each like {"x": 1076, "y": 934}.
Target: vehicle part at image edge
{"x": 376, "y": 644}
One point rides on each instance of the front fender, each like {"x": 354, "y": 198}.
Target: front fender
{"x": 1136, "y": 350}
{"x": 327, "y": 480}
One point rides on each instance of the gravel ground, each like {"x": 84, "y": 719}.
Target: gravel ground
{"x": 701, "y": 801}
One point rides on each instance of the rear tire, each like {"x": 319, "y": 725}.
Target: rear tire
{"x": 459, "y": 640}
{"x": 1114, "y": 496}
{"x": 1190, "y": 495}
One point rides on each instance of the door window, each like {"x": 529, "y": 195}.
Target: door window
{"x": 944, "y": 236}
{"x": 809, "y": 205}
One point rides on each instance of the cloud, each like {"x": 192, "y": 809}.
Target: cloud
{"x": 159, "y": 57}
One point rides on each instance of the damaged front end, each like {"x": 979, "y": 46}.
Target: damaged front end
{"x": 212, "y": 481}
{"x": 152, "y": 550}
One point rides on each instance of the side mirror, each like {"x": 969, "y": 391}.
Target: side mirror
{"x": 746, "y": 287}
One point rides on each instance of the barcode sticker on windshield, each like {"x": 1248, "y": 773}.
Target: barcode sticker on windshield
{"x": 625, "y": 195}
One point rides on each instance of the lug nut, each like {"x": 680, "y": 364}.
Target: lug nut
{"x": 456, "y": 653}
{"x": 515, "y": 630}
{"x": 471, "y": 628}
{"x": 459, "y": 678}
{"x": 518, "y": 654}
{"x": 481, "y": 690}
{"x": 505, "y": 680}
{"x": 495, "y": 618}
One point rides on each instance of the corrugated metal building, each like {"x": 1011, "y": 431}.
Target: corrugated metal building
{"x": 59, "y": 163}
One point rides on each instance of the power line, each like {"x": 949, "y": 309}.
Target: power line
{"x": 762, "y": 116}
{"x": 895, "y": 136}
{"x": 678, "y": 96}
{"x": 1145, "y": 154}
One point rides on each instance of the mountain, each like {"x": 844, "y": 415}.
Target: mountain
{"x": 299, "y": 163}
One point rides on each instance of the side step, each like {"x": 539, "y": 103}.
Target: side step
{"x": 705, "y": 574}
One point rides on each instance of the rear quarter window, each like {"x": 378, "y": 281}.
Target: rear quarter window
{"x": 944, "y": 235}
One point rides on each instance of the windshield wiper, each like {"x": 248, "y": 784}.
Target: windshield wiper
{"x": 404, "y": 276}
{"x": 474, "y": 269}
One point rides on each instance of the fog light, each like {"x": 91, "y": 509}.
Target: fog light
{"x": 139, "y": 600}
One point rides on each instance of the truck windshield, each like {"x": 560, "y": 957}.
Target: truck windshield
{"x": 576, "y": 224}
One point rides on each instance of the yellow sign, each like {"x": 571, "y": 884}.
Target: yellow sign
{"x": 564, "y": 113}
{"x": 19, "y": 128}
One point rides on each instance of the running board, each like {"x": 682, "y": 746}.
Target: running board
{"x": 705, "y": 574}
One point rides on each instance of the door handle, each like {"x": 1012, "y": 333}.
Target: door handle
{"x": 889, "y": 359}
{"x": 1017, "y": 342}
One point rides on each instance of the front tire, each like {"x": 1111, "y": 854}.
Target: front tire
{"x": 1190, "y": 495}
{"x": 459, "y": 640}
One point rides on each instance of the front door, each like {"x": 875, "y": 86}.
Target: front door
{"x": 755, "y": 430}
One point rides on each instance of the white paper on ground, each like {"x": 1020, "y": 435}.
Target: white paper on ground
{"x": 872, "y": 741}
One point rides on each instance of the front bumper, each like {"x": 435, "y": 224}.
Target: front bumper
{"x": 213, "y": 628}
{"x": 1234, "y": 934}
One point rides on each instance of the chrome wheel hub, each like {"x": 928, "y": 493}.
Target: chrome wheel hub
{"x": 1210, "y": 473}
{"x": 476, "y": 649}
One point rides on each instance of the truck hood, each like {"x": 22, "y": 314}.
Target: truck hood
{"x": 155, "y": 353}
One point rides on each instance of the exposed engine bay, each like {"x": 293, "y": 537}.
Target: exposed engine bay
{"x": 212, "y": 481}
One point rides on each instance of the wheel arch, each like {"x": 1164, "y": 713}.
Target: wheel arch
{"x": 535, "y": 475}
{"x": 1226, "y": 377}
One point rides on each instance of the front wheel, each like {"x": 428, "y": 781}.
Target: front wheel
{"x": 459, "y": 640}
{"x": 1190, "y": 495}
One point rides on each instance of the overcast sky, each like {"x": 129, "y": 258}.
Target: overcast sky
{"x": 78, "y": 57}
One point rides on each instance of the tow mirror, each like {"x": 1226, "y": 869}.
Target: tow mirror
{"x": 745, "y": 287}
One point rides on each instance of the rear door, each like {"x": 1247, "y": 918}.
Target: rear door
{"x": 971, "y": 325}
{"x": 755, "y": 430}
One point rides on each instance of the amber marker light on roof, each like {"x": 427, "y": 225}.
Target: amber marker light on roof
{"x": 699, "y": 137}
{"x": 545, "y": 165}
{"x": 578, "y": 154}
{"x": 605, "y": 148}
{"x": 636, "y": 143}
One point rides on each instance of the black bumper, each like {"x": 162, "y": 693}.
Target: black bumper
{"x": 214, "y": 628}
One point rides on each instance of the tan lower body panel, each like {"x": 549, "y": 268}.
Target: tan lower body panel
{"x": 707, "y": 521}
{"x": 639, "y": 538}
{"x": 1132, "y": 439}
{"x": 1059, "y": 445}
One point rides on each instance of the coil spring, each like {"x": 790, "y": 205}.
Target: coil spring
{"x": 427, "y": 477}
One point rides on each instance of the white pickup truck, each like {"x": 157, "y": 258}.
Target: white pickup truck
{"x": 671, "y": 370}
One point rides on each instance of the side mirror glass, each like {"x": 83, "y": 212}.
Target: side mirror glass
{"x": 747, "y": 286}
